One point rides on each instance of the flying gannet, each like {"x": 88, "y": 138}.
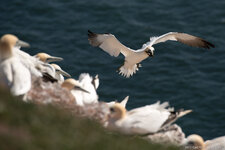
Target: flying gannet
{"x": 59, "y": 73}
{"x": 74, "y": 86}
{"x": 13, "y": 74}
{"x": 144, "y": 120}
{"x": 196, "y": 142}
{"x": 133, "y": 58}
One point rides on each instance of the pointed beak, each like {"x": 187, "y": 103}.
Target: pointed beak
{"x": 152, "y": 53}
{"x": 64, "y": 73}
{"x": 20, "y": 43}
{"x": 53, "y": 59}
{"x": 81, "y": 89}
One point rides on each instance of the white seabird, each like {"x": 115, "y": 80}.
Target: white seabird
{"x": 76, "y": 89}
{"x": 144, "y": 120}
{"x": 196, "y": 142}
{"x": 13, "y": 74}
{"x": 59, "y": 73}
{"x": 90, "y": 84}
{"x": 133, "y": 58}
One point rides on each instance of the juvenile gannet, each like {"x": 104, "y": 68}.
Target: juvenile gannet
{"x": 59, "y": 73}
{"x": 122, "y": 103}
{"x": 47, "y": 58}
{"x": 13, "y": 74}
{"x": 74, "y": 86}
{"x": 133, "y": 58}
{"x": 196, "y": 142}
{"x": 144, "y": 120}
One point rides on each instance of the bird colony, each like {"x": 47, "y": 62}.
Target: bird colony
{"x": 39, "y": 80}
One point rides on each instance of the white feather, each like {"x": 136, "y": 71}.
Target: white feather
{"x": 15, "y": 76}
{"x": 86, "y": 83}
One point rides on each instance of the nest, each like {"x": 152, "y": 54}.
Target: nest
{"x": 52, "y": 93}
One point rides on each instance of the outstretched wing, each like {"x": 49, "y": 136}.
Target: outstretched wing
{"x": 108, "y": 43}
{"x": 181, "y": 37}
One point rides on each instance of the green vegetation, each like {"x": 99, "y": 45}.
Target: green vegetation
{"x": 26, "y": 126}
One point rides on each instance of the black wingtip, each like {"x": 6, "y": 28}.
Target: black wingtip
{"x": 89, "y": 31}
{"x": 91, "y": 34}
{"x": 212, "y": 45}
{"x": 47, "y": 77}
{"x": 208, "y": 45}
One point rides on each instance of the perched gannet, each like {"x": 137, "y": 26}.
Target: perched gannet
{"x": 74, "y": 86}
{"x": 59, "y": 73}
{"x": 144, "y": 120}
{"x": 38, "y": 64}
{"x": 122, "y": 103}
{"x": 47, "y": 58}
{"x": 90, "y": 84}
{"x": 13, "y": 74}
{"x": 111, "y": 45}
{"x": 196, "y": 142}
{"x": 48, "y": 71}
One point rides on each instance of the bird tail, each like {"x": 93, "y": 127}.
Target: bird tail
{"x": 124, "y": 102}
{"x": 174, "y": 116}
{"x": 185, "y": 112}
{"x": 128, "y": 71}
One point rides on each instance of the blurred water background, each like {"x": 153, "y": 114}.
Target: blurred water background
{"x": 187, "y": 77}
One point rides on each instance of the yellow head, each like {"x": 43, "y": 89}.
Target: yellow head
{"x": 72, "y": 84}
{"x": 47, "y": 58}
{"x": 42, "y": 56}
{"x": 117, "y": 112}
{"x": 195, "y": 142}
{"x": 7, "y": 42}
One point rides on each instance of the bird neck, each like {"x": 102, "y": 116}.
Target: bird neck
{"x": 5, "y": 51}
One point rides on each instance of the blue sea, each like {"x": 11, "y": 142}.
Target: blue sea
{"x": 186, "y": 77}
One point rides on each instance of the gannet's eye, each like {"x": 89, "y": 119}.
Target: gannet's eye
{"x": 112, "y": 109}
{"x": 191, "y": 143}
